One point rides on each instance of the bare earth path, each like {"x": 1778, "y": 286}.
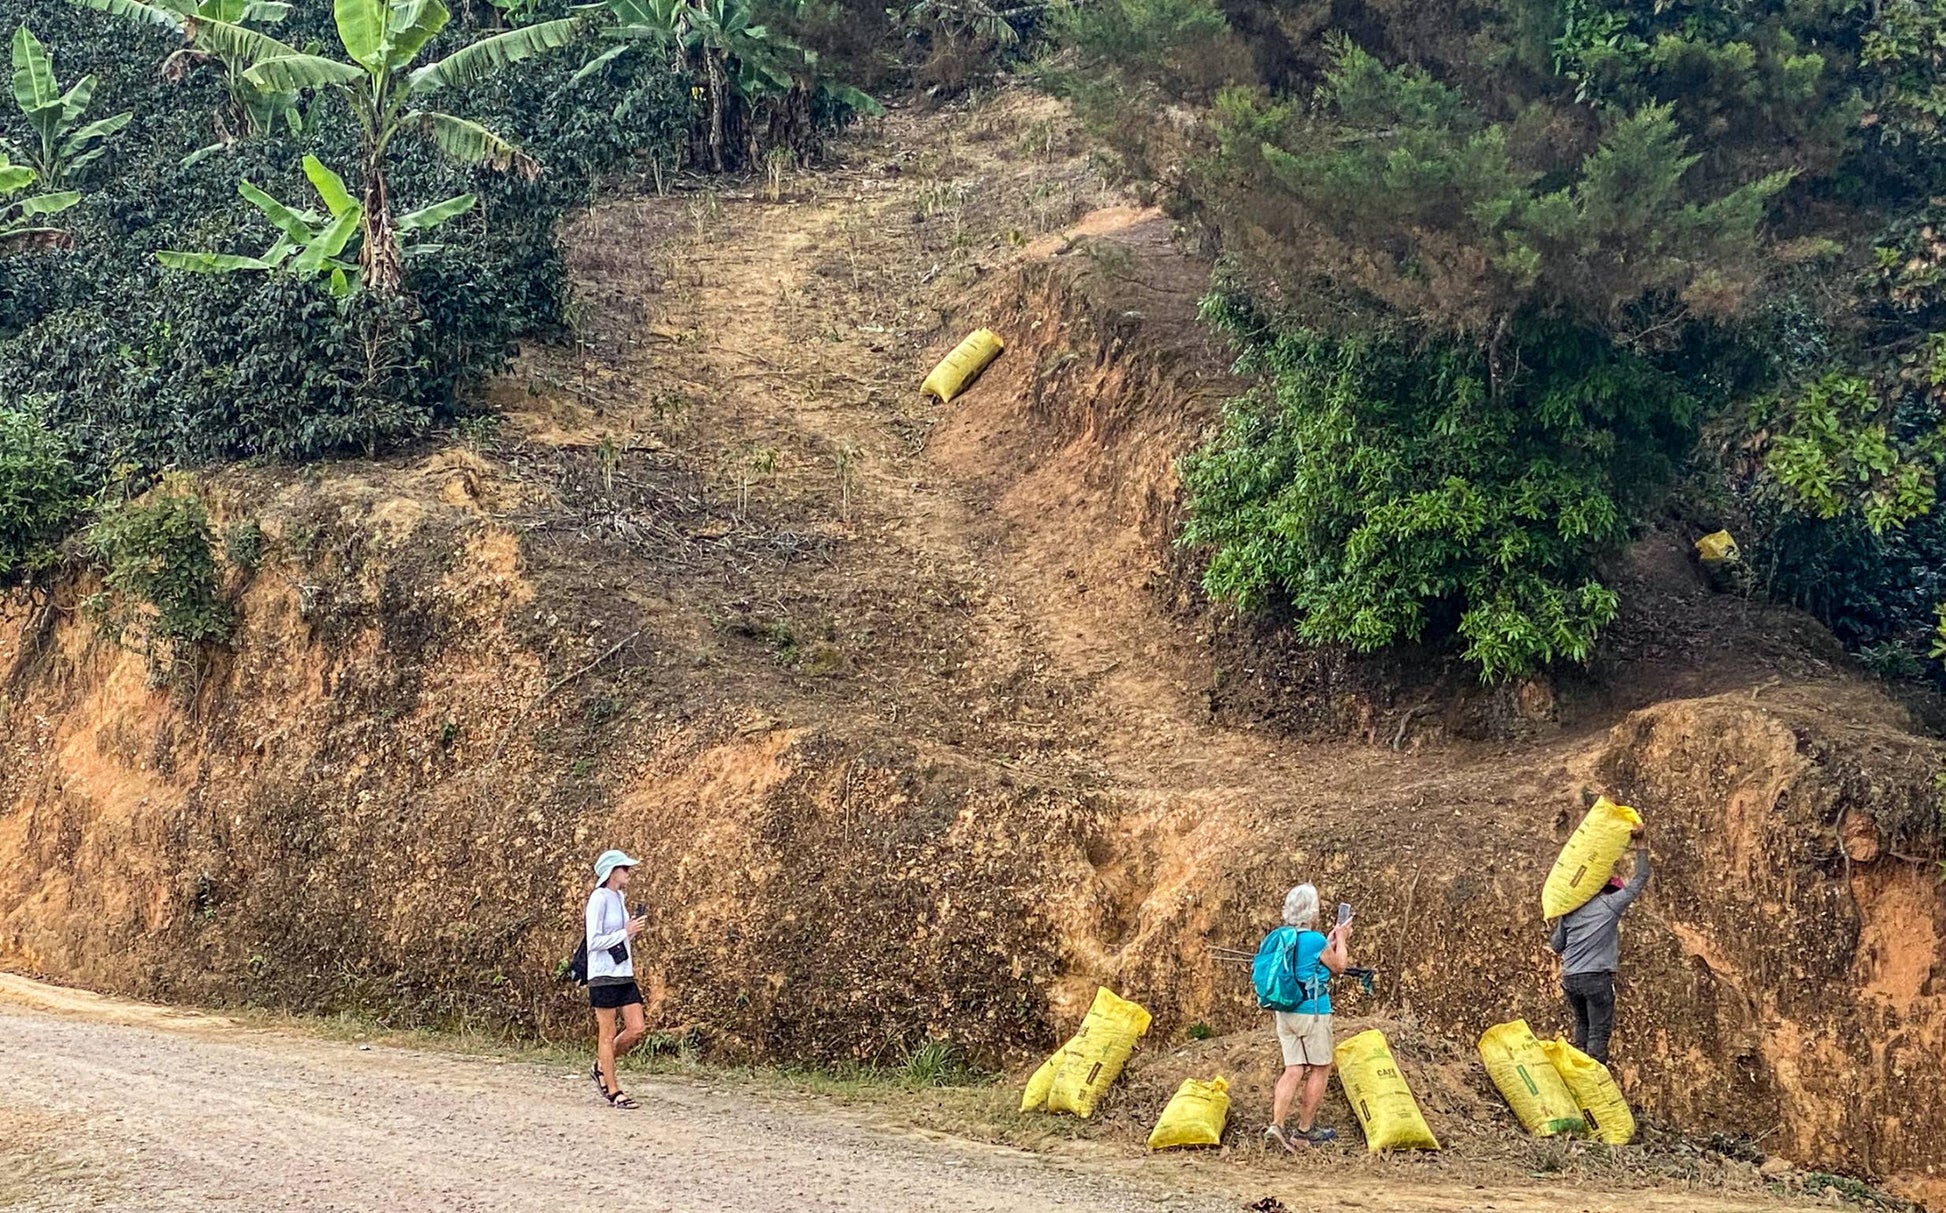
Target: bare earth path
{"x": 186, "y": 1112}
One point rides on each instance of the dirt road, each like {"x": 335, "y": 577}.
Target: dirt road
{"x": 109, "y": 1104}
{"x": 172, "y": 1111}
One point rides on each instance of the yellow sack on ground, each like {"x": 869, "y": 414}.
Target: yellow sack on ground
{"x": 1595, "y": 1091}
{"x": 1093, "y": 1057}
{"x": 1035, "y": 1096}
{"x": 1194, "y": 1117}
{"x": 961, "y": 367}
{"x": 1383, "y": 1103}
{"x": 1718, "y": 548}
{"x": 1585, "y": 864}
{"x": 1526, "y": 1079}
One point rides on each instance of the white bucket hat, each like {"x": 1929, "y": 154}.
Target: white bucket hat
{"x": 609, "y": 861}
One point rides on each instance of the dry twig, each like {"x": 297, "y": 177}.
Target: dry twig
{"x": 556, "y": 685}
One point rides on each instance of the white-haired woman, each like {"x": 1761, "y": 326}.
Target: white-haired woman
{"x": 1310, "y": 959}
{"x": 612, "y": 991}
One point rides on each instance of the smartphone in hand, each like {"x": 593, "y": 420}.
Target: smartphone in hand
{"x": 1344, "y": 913}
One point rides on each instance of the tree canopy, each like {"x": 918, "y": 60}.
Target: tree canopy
{"x": 1732, "y": 206}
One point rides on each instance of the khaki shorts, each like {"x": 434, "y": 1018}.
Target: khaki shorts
{"x": 1306, "y": 1038}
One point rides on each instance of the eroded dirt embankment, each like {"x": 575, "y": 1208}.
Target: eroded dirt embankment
{"x": 916, "y": 717}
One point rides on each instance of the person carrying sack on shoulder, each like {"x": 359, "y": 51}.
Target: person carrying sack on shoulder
{"x": 1292, "y": 974}
{"x": 612, "y": 991}
{"x": 1588, "y": 940}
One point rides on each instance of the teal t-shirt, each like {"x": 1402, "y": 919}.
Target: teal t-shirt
{"x": 1310, "y": 946}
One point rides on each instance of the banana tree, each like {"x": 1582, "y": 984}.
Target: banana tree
{"x": 713, "y": 39}
{"x": 254, "y": 110}
{"x": 22, "y": 212}
{"x": 388, "y": 97}
{"x": 310, "y": 244}
{"x": 63, "y": 144}
{"x": 739, "y": 61}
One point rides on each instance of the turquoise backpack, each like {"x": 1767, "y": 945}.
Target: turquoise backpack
{"x": 1274, "y": 974}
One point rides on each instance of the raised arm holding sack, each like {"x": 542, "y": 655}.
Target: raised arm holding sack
{"x": 1588, "y": 940}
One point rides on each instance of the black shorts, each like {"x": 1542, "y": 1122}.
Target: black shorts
{"x": 607, "y": 998}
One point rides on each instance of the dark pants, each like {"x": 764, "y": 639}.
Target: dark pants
{"x": 1591, "y": 996}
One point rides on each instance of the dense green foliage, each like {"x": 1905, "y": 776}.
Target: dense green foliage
{"x": 1510, "y": 207}
{"x": 138, "y": 363}
{"x": 39, "y": 495}
{"x": 1397, "y": 187}
{"x": 26, "y": 210}
{"x": 1382, "y": 489}
{"x": 314, "y": 244}
{"x": 253, "y": 110}
{"x": 1834, "y": 450}
{"x": 157, "y": 556}
{"x": 758, "y": 86}
{"x": 240, "y": 261}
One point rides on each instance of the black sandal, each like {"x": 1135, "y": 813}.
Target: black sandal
{"x": 621, "y": 1100}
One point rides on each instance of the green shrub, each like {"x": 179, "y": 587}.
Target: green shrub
{"x": 243, "y": 544}
{"x": 233, "y": 368}
{"x": 1836, "y": 475}
{"x": 39, "y": 495}
{"x": 1400, "y": 187}
{"x": 1889, "y": 659}
{"x": 1835, "y": 447}
{"x": 157, "y": 554}
{"x": 1767, "y": 179}
{"x": 1872, "y": 589}
{"x": 1387, "y": 491}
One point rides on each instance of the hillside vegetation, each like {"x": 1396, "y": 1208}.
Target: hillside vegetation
{"x": 1511, "y": 282}
{"x": 1518, "y": 278}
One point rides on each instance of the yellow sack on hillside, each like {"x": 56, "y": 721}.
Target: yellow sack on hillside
{"x": 960, "y": 368}
{"x": 1195, "y": 1115}
{"x": 1596, "y": 1092}
{"x": 1718, "y": 548}
{"x": 1383, "y": 1103}
{"x": 1093, "y": 1057}
{"x": 1585, "y": 864}
{"x": 1526, "y": 1079}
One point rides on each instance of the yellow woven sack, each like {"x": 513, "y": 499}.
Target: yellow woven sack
{"x": 1035, "y": 1096}
{"x": 1526, "y": 1079}
{"x": 1383, "y": 1103}
{"x": 1194, "y": 1117}
{"x": 1093, "y": 1057}
{"x": 1718, "y": 548}
{"x": 1590, "y": 856}
{"x": 957, "y": 370}
{"x": 1596, "y": 1092}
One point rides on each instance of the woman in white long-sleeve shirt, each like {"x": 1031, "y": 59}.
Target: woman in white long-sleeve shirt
{"x": 611, "y": 973}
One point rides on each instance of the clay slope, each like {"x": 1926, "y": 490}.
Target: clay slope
{"x": 917, "y": 717}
